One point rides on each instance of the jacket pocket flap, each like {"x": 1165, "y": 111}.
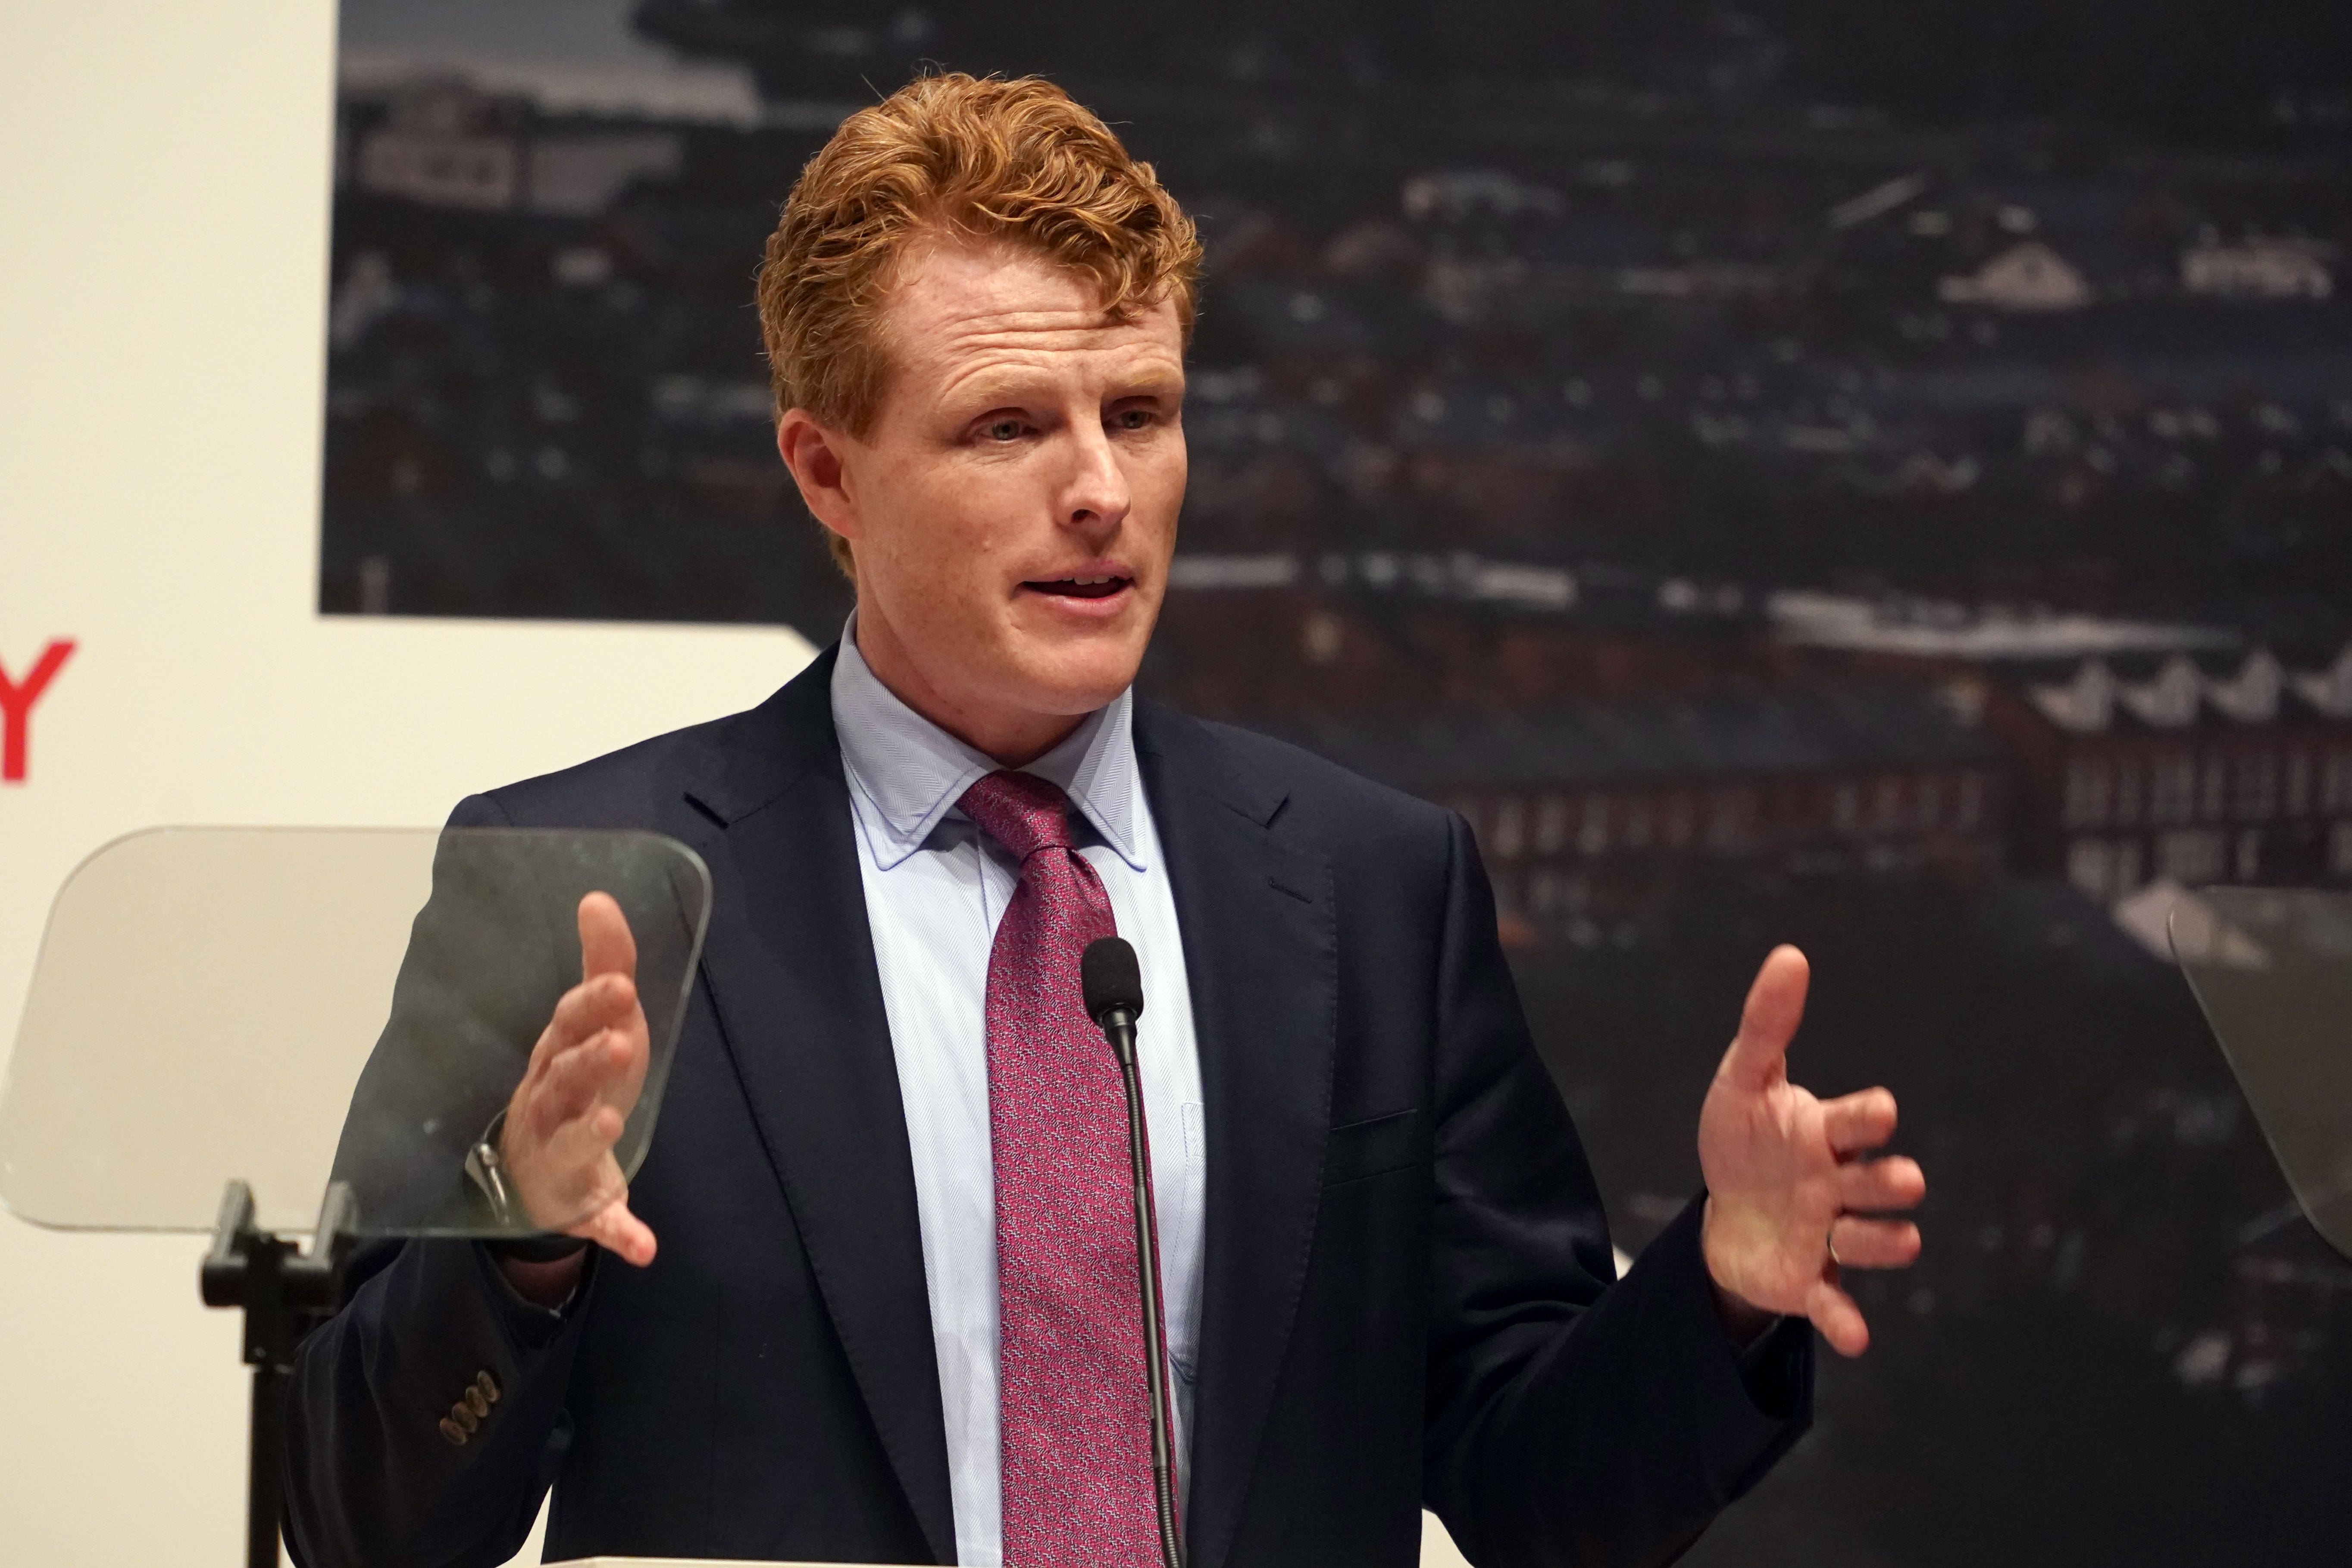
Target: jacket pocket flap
{"x": 1370, "y": 1147}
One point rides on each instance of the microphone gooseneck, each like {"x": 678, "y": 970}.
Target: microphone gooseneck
{"x": 1112, "y": 983}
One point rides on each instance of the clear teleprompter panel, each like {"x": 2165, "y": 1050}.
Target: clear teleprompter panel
{"x": 2272, "y": 969}
{"x": 291, "y": 1006}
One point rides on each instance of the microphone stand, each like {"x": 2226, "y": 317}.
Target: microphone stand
{"x": 1117, "y": 1021}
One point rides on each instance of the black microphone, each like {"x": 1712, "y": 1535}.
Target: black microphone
{"x": 1113, "y": 983}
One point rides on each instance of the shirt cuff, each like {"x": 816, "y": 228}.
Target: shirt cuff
{"x": 532, "y": 1326}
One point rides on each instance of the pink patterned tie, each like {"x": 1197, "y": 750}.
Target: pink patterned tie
{"x": 1076, "y": 1437}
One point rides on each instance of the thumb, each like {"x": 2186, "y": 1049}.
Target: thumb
{"x": 1776, "y": 1003}
{"x": 615, "y": 1229}
{"x": 605, "y": 946}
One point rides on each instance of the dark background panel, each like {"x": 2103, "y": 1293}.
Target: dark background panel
{"x": 1875, "y": 477}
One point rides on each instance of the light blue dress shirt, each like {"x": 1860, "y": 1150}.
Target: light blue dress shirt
{"x": 935, "y": 889}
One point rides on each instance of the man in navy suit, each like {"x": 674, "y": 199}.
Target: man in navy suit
{"x": 1389, "y": 1279}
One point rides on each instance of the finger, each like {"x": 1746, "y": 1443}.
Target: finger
{"x": 1776, "y": 1004}
{"x": 1875, "y": 1243}
{"x": 594, "y": 1003}
{"x": 583, "y": 1143}
{"x": 605, "y": 946}
{"x": 1864, "y": 1119}
{"x": 579, "y": 1078}
{"x": 1894, "y": 1183}
{"x": 615, "y": 1229}
{"x": 563, "y": 1172}
{"x": 1834, "y": 1312}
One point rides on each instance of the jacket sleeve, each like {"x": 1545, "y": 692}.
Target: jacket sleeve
{"x": 430, "y": 1326}
{"x": 1572, "y": 1420}
{"x": 372, "y": 1478}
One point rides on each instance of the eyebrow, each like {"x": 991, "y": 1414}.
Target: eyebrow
{"x": 996, "y": 389}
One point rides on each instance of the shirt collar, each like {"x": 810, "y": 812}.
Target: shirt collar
{"x": 911, "y": 772}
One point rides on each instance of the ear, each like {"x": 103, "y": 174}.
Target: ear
{"x": 817, "y": 456}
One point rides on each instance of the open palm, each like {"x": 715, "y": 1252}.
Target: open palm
{"x": 1790, "y": 1199}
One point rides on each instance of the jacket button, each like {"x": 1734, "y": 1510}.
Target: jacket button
{"x": 464, "y": 1417}
{"x": 476, "y": 1401}
{"x": 455, "y": 1433}
{"x": 488, "y": 1384}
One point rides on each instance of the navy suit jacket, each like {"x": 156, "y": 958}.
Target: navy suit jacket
{"x": 1408, "y": 1280}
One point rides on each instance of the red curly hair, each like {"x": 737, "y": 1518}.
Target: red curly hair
{"x": 954, "y": 155}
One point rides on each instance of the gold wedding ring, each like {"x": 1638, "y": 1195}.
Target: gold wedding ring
{"x": 1835, "y": 1261}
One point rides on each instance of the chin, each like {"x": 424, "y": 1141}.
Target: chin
{"x": 1078, "y": 681}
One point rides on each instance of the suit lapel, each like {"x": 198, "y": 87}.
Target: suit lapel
{"x": 1262, "y": 956}
{"x": 790, "y": 961}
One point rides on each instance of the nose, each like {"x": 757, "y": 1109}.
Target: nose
{"x": 1097, "y": 497}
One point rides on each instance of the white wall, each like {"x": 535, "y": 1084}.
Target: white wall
{"x": 164, "y": 195}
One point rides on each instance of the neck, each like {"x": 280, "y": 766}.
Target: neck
{"x": 1009, "y": 736}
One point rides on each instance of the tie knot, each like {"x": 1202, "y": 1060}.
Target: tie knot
{"x": 1021, "y": 811}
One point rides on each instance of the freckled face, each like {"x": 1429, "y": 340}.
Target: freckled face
{"x": 1014, "y": 507}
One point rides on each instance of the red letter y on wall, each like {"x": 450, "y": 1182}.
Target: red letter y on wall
{"x": 17, "y": 700}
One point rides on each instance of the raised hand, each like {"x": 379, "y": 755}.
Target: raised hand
{"x": 1790, "y": 1199}
{"x": 584, "y": 1075}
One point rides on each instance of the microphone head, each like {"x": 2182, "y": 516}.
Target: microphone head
{"x": 1111, "y": 978}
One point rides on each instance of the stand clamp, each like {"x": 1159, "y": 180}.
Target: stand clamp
{"x": 284, "y": 1293}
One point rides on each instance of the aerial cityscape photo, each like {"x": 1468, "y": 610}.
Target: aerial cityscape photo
{"x": 1783, "y": 471}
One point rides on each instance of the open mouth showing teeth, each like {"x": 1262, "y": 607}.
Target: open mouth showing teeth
{"x": 1080, "y": 588}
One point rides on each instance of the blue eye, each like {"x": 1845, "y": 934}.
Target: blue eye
{"x": 1002, "y": 429}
